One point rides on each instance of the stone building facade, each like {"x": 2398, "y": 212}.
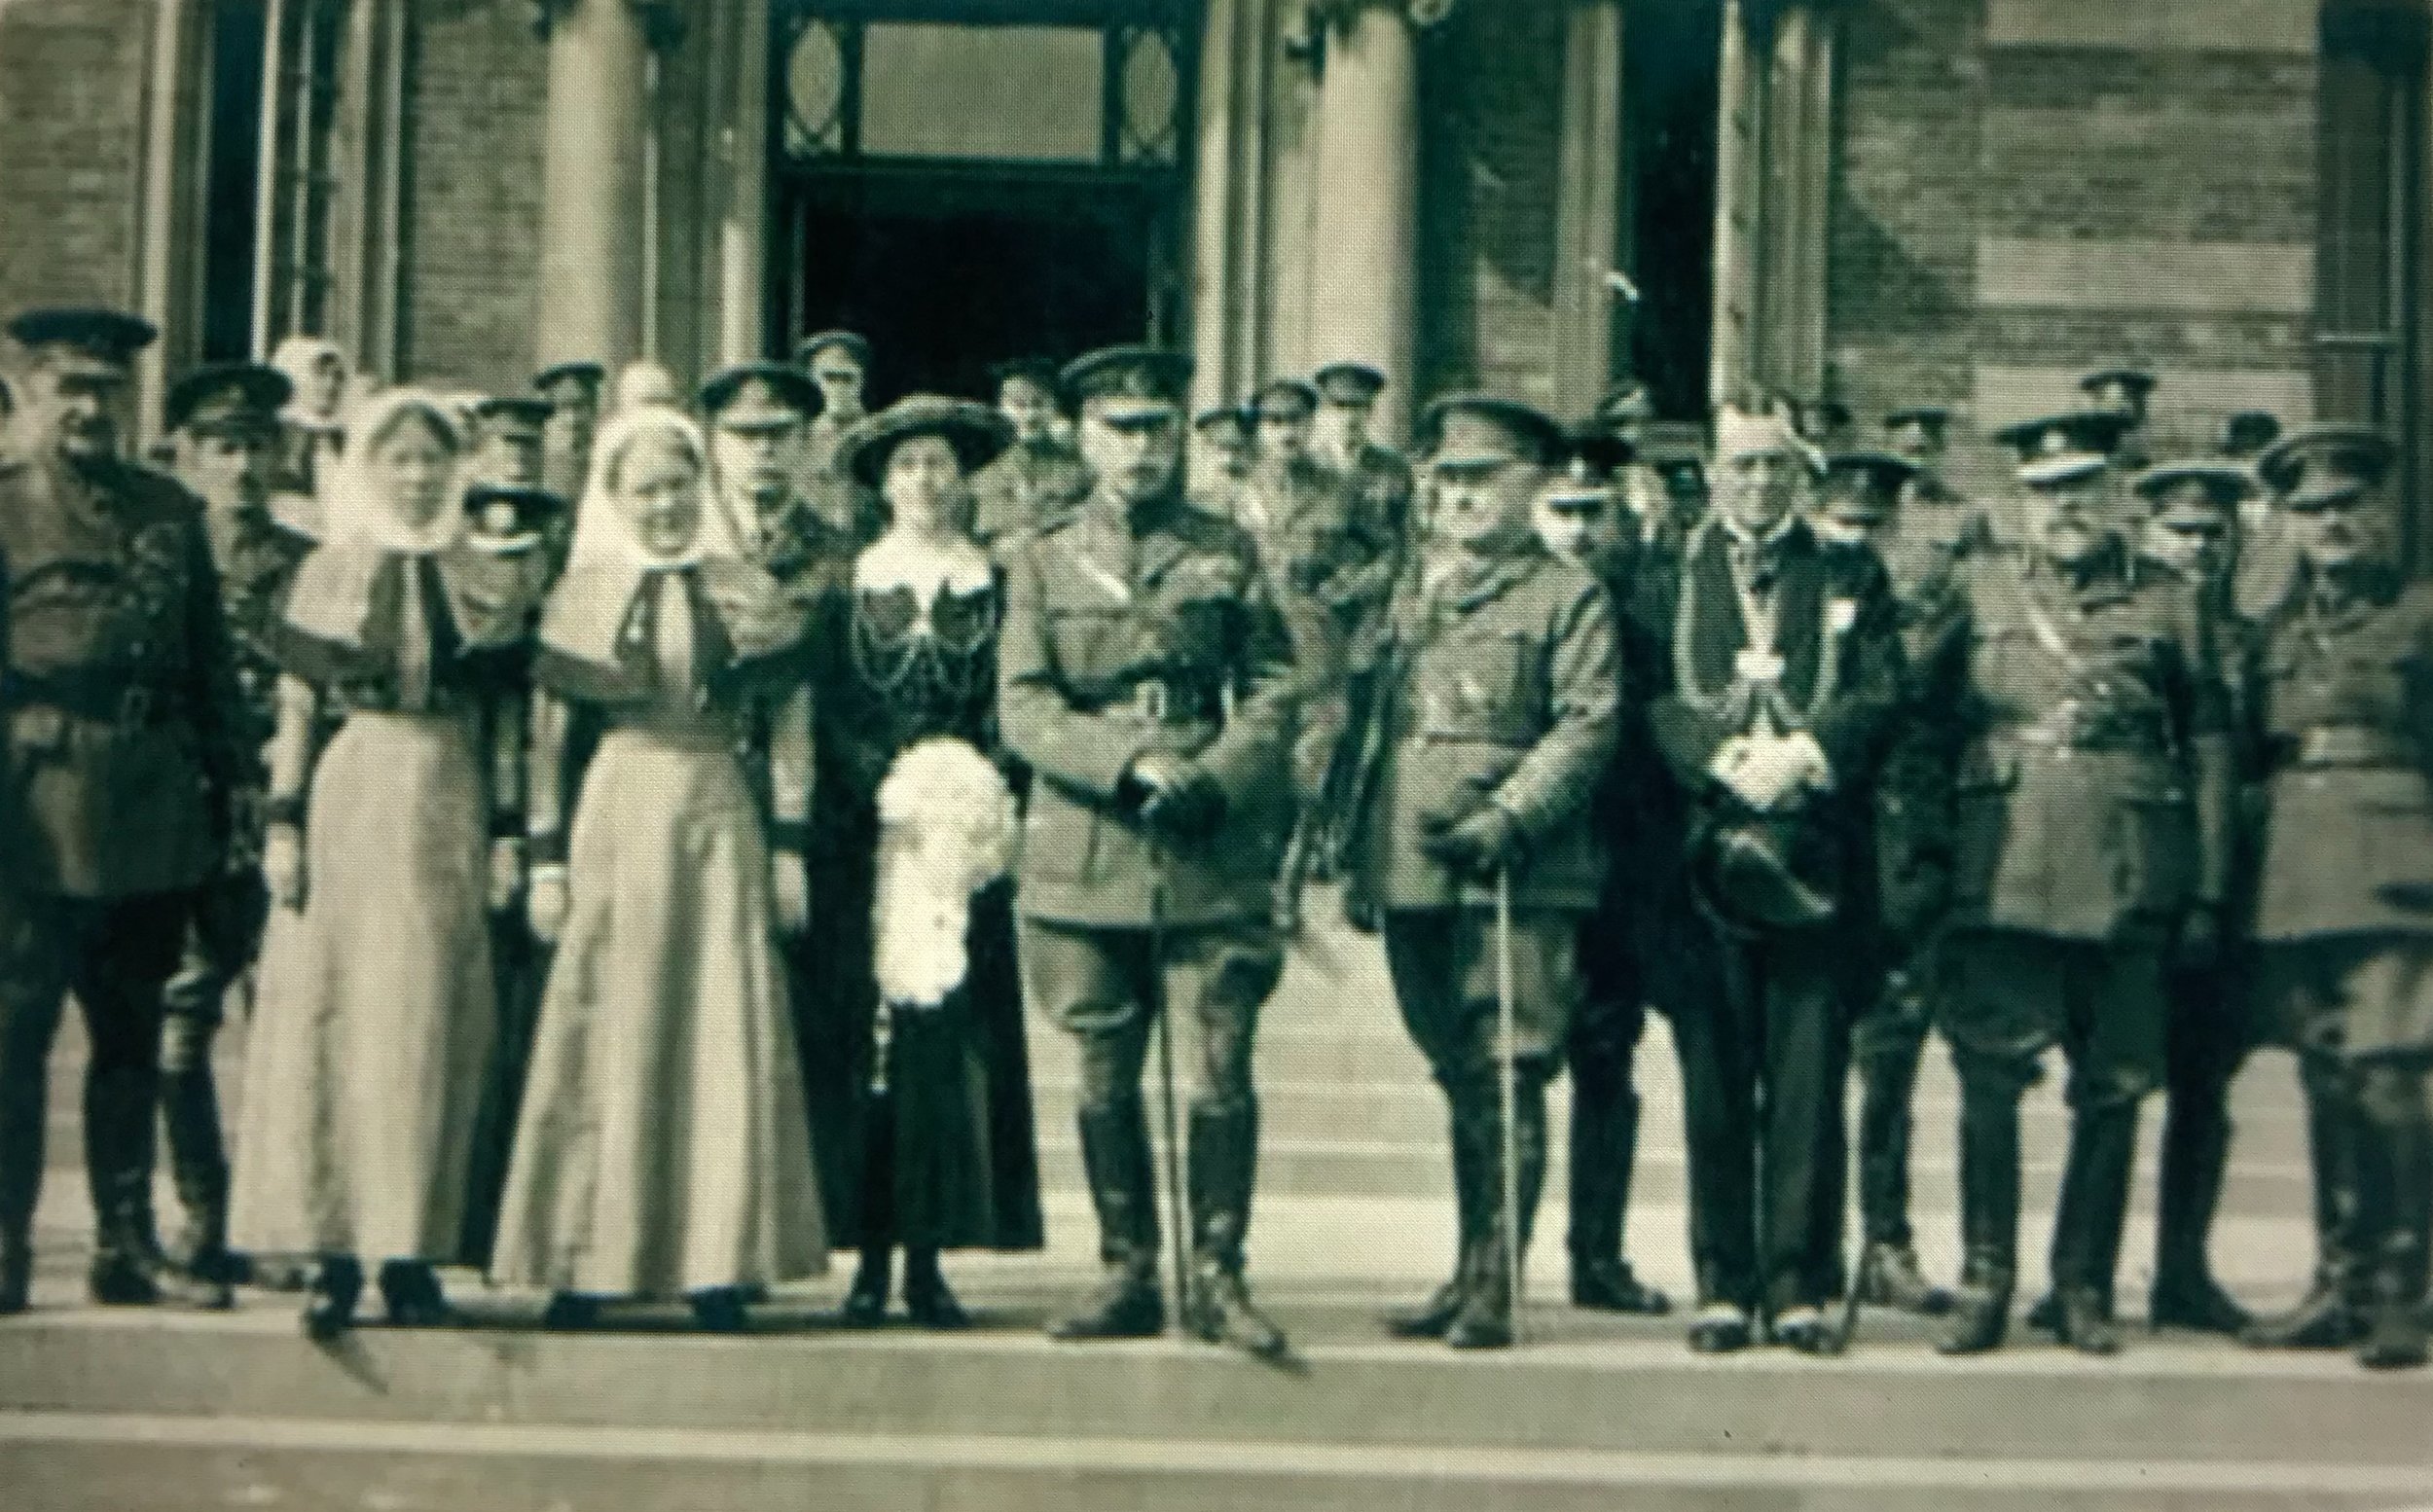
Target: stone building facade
{"x": 1968, "y": 201}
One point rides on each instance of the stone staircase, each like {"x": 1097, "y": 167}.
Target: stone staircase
{"x": 141, "y": 1410}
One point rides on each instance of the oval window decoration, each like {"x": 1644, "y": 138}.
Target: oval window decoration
{"x": 1153, "y": 90}
{"x": 815, "y": 92}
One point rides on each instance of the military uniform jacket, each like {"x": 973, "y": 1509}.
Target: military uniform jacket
{"x": 1126, "y": 636}
{"x": 1026, "y": 487}
{"x": 1380, "y": 484}
{"x": 1314, "y": 535}
{"x": 2344, "y": 699}
{"x": 2083, "y": 731}
{"x": 127, "y": 736}
{"x": 1499, "y": 684}
{"x": 256, "y": 556}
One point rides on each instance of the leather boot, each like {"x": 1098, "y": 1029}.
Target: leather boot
{"x": 931, "y": 1303}
{"x": 2086, "y": 1228}
{"x": 411, "y": 1296}
{"x": 129, "y": 1269}
{"x": 1485, "y": 1322}
{"x": 2196, "y": 1150}
{"x": 2401, "y": 1182}
{"x": 865, "y": 1302}
{"x": 1432, "y": 1316}
{"x": 1989, "y": 1224}
{"x": 1604, "y": 1145}
{"x": 2330, "y": 1315}
{"x": 1115, "y": 1155}
{"x": 1223, "y": 1170}
{"x": 189, "y": 1126}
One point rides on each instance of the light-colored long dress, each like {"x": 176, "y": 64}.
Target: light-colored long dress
{"x": 663, "y": 1148}
{"x": 375, "y": 1015}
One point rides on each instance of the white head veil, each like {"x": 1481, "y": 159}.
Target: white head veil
{"x": 297, "y": 356}
{"x": 355, "y": 504}
{"x": 603, "y": 534}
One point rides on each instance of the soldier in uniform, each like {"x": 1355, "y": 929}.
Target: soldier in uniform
{"x": 1580, "y": 517}
{"x": 1498, "y": 710}
{"x": 571, "y": 390}
{"x": 1860, "y": 508}
{"x": 2083, "y": 729}
{"x": 1624, "y": 413}
{"x": 838, "y": 365}
{"x": 2127, "y": 391}
{"x": 128, "y": 746}
{"x": 1781, "y": 670}
{"x": 224, "y": 423}
{"x": 2191, "y": 538}
{"x": 2343, "y": 915}
{"x": 509, "y": 445}
{"x": 1377, "y": 477}
{"x": 1222, "y": 454}
{"x": 1938, "y": 525}
{"x": 1146, "y": 677}
{"x": 759, "y": 415}
{"x": 1038, "y": 478}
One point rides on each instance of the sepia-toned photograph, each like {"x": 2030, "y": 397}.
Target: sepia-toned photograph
{"x": 1215, "y": 755}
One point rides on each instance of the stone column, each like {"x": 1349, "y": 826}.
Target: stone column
{"x": 592, "y": 204}
{"x": 1364, "y": 272}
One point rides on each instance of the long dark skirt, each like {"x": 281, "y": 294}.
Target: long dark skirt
{"x": 951, "y": 1145}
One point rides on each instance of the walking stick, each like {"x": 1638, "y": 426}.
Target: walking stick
{"x": 1508, "y": 1093}
{"x": 1178, "y": 1207}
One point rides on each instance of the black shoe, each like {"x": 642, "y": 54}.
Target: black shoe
{"x": 1224, "y": 1314}
{"x": 17, "y": 1278}
{"x": 119, "y": 1279}
{"x": 1889, "y": 1276}
{"x": 1720, "y": 1330}
{"x": 720, "y": 1310}
{"x": 1432, "y": 1317}
{"x": 2325, "y": 1319}
{"x": 2044, "y": 1314}
{"x": 1981, "y": 1319}
{"x": 865, "y": 1302}
{"x": 1126, "y": 1305}
{"x": 1610, "y": 1286}
{"x": 328, "y": 1308}
{"x": 410, "y": 1297}
{"x": 570, "y": 1311}
{"x": 2195, "y": 1303}
{"x": 2395, "y": 1335}
{"x": 1803, "y": 1328}
{"x": 931, "y": 1303}
{"x": 2086, "y": 1324}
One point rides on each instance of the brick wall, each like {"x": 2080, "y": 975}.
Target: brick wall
{"x": 476, "y": 89}
{"x": 2031, "y": 188}
{"x": 71, "y": 103}
{"x": 1490, "y": 141}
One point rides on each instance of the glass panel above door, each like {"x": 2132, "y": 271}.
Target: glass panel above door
{"x": 992, "y": 93}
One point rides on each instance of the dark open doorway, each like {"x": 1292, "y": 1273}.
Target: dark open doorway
{"x": 1669, "y": 88}
{"x": 947, "y": 274}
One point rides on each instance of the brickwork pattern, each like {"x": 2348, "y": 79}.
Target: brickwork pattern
{"x": 71, "y": 133}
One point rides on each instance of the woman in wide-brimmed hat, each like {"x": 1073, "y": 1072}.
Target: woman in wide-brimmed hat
{"x": 920, "y": 1089}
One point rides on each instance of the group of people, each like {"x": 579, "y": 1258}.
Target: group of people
{"x": 638, "y": 828}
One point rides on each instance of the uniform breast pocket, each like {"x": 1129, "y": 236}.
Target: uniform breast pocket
{"x": 2155, "y": 857}
{"x": 1486, "y": 686}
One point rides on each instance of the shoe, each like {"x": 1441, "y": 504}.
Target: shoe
{"x": 931, "y": 1303}
{"x": 2044, "y": 1314}
{"x": 1889, "y": 1276}
{"x": 1981, "y": 1312}
{"x": 2197, "y": 1303}
{"x": 1610, "y": 1286}
{"x": 410, "y": 1297}
{"x": 1432, "y": 1317}
{"x": 1719, "y": 1328}
{"x": 2395, "y": 1333}
{"x": 328, "y": 1308}
{"x": 2086, "y": 1324}
{"x": 570, "y": 1311}
{"x": 2325, "y": 1319}
{"x": 865, "y": 1302}
{"x": 1802, "y": 1328}
{"x": 720, "y": 1310}
{"x": 1125, "y": 1305}
{"x": 1224, "y": 1314}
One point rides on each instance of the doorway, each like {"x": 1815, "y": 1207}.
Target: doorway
{"x": 948, "y": 273}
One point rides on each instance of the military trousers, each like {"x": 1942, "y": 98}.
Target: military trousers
{"x": 1602, "y": 1050}
{"x": 116, "y": 954}
{"x": 1764, "y": 1059}
{"x": 1887, "y": 1043}
{"x": 2206, "y": 1040}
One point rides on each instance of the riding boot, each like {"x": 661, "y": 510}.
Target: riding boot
{"x": 1115, "y": 1155}
{"x": 2330, "y": 1315}
{"x": 2399, "y": 1178}
{"x": 1485, "y": 1322}
{"x": 1432, "y": 1316}
{"x": 2195, "y": 1148}
{"x": 1604, "y": 1144}
{"x": 1989, "y": 1226}
{"x": 190, "y": 1125}
{"x": 865, "y": 1302}
{"x": 931, "y": 1303}
{"x": 129, "y": 1269}
{"x": 22, "y": 1116}
{"x": 1223, "y": 1170}
{"x": 2087, "y": 1229}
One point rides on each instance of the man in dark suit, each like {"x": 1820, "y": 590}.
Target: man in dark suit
{"x": 1781, "y": 667}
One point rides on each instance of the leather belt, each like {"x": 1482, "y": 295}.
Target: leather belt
{"x": 2352, "y": 746}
